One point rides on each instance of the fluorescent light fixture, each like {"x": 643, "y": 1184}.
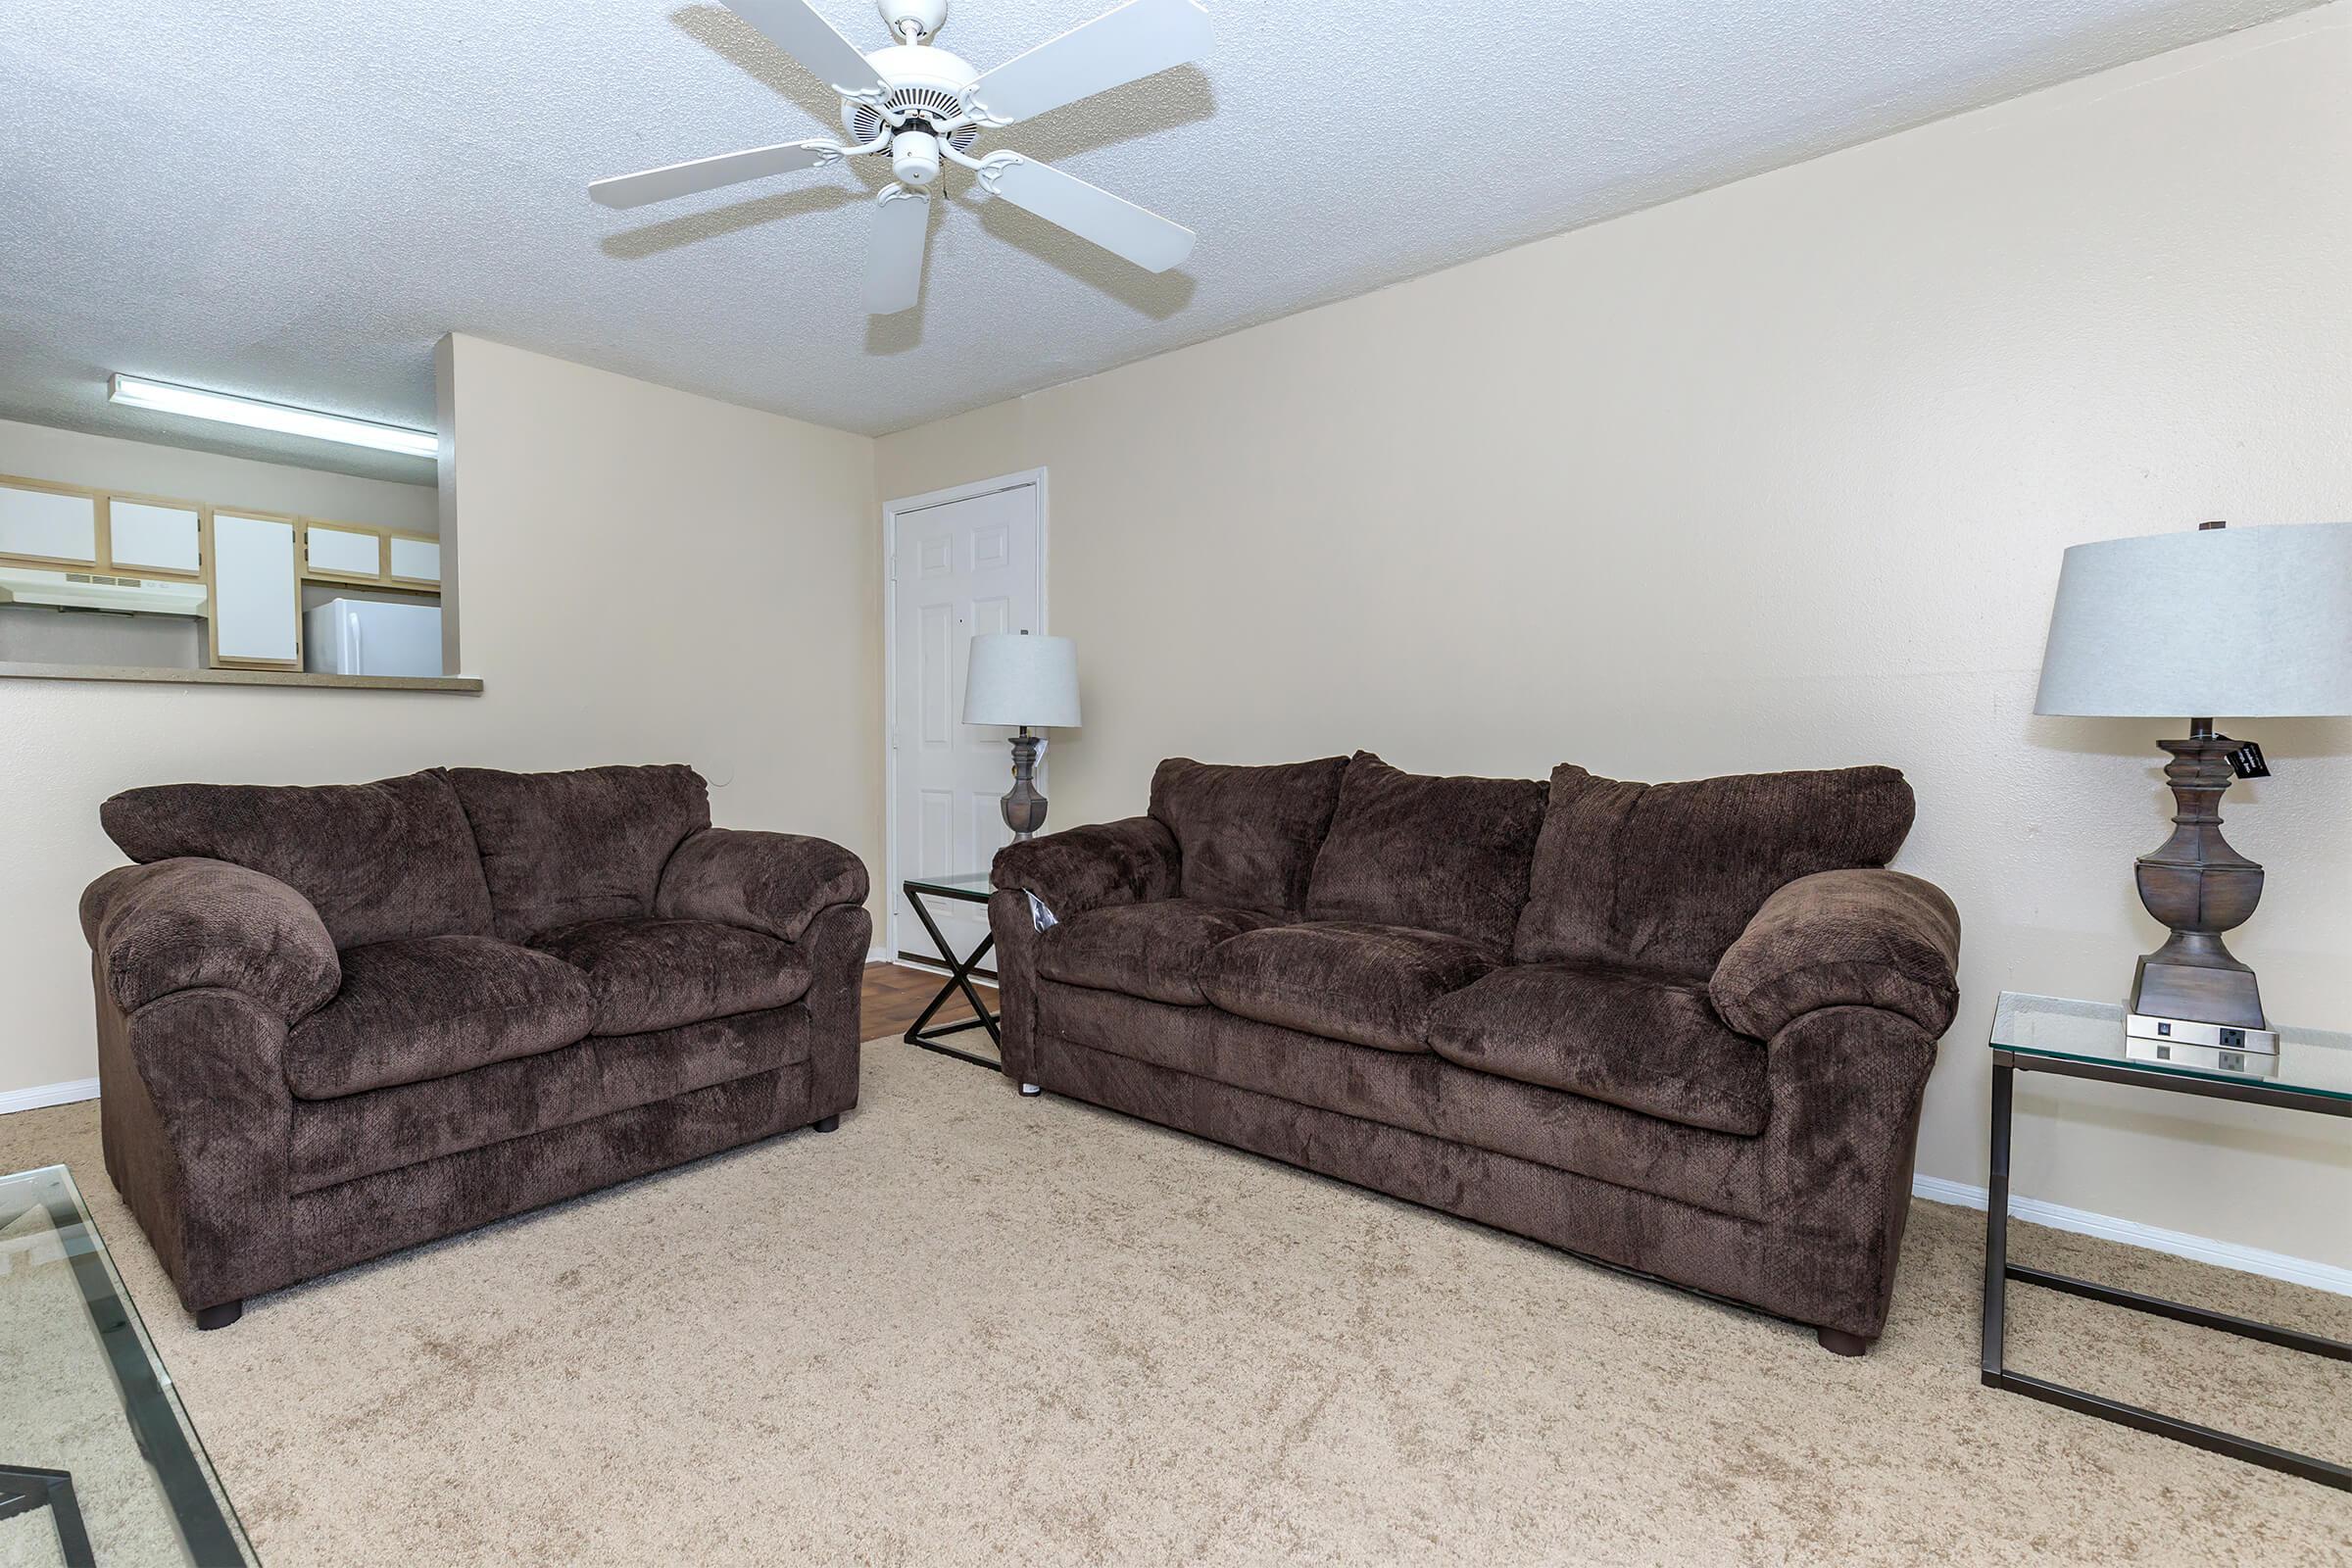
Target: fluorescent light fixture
{"x": 136, "y": 392}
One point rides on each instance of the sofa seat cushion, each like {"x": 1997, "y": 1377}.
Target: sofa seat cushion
{"x": 430, "y": 1007}
{"x": 646, "y": 975}
{"x": 1345, "y": 980}
{"x": 339, "y": 1140}
{"x": 1646, "y": 1044}
{"x": 1418, "y": 1090}
{"x": 1153, "y": 950}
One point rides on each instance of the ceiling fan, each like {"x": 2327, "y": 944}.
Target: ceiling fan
{"x": 922, "y": 106}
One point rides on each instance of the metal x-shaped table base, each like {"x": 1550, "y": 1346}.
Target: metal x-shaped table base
{"x": 958, "y": 979}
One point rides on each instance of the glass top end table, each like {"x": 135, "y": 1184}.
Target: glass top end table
{"x": 961, "y": 886}
{"x": 98, "y": 1460}
{"x": 970, "y": 886}
{"x": 2072, "y": 1039}
{"x": 2089, "y": 1035}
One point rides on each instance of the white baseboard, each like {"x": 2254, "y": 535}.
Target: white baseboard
{"x": 877, "y": 954}
{"x": 41, "y": 1095}
{"x": 2180, "y": 1243}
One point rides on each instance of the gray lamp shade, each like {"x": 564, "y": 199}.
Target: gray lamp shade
{"x": 2214, "y": 622}
{"x": 1019, "y": 679}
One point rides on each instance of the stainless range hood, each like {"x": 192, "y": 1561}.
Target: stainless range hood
{"x": 84, "y": 590}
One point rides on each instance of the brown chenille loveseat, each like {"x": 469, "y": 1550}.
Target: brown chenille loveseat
{"x": 1680, "y": 1028}
{"x": 337, "y": 1021}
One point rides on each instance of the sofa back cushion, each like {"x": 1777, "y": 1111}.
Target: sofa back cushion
{"x": 558, "y": 849}
{"x": 1664, "y": 877}
{"x": 380, "y": 862}
{"x": 1446, "y": 855}
{"x": 1247, "y": 837}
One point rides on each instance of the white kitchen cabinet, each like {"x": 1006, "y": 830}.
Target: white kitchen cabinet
{"x": 48, "y": 525}
{"x": 344, "y": 553}
{"x": 257, "y": 601}
{"x": 415, "y": 560}
{"x": 148, "y": 536}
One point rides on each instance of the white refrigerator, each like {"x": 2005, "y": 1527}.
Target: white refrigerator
{"x": 363, "y": 637}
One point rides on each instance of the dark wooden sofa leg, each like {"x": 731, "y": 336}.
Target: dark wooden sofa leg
{"x": 221, "y": 1316}
{"x": 826, "y": 1125}
{"x": 1839, "y": 1343}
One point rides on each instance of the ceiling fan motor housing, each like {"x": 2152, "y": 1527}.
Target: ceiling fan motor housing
{"x": 927, "y": 84}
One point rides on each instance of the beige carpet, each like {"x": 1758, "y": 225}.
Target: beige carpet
{"x": 969, "y": 1328}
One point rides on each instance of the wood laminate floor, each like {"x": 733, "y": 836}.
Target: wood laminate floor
{"x": 895, "y": 993}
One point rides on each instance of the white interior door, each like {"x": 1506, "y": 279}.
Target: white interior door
{"x": 958, "y": 569}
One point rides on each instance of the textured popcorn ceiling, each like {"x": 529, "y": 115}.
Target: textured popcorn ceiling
{"x": 295, "y": 200}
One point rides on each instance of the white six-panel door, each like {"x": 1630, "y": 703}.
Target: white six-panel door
{"x": 959, "y": 567}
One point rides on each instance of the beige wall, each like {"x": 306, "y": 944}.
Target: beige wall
{"x": 1778, "y": 477}
{"x": 109, "y": 463}
{"x": 648, "y": 576}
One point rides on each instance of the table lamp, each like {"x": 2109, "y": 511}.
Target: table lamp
{"x": 2237, "y": 623}
{"x": 1029, "y": 683}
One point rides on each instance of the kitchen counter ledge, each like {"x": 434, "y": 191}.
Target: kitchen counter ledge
{"x": 464, "y": 684}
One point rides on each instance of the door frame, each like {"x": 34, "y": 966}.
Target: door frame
{"x": 891, "y": 511}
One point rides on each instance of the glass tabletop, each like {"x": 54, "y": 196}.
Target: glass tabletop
{"x": 962, "y": 885}
{"x": 2310, "y": 1062}
{"x": 98, "y": 1461}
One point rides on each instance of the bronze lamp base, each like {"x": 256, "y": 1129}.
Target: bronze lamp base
{"x": 2200, "y": 887}
{"x": 1023, "y": 807}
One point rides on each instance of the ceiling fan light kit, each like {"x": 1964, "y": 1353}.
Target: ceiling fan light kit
{"x": 926, "y": 107}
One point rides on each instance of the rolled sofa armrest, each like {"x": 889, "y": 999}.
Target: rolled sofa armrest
{"x": 189, "y": 924}
{"x": 1840, "y": 939}
{"x": 1132, "y": 861}
{"x": 774, "y": 883}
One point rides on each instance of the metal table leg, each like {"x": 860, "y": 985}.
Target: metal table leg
{"x": 21, "y": 1491}
{"x": 1998, "y": 1271}
{"x": 1996, "y": 1226}
{"x": 959, "y": 979}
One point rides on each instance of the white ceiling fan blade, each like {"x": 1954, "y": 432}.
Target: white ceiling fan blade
{"x": 1139, "y": 39}
{"x": 1143, "y": 238}
{"x": 709, "y": 173}
{"x": 801, "y": 31}
{"x": 894, "y": 250}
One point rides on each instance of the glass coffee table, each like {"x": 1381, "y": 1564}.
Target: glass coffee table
{"x": 99, "y": 1464}
{"x": 2311, "y": 1072}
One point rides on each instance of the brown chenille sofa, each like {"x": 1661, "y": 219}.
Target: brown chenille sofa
{"x": 337, "y": 1021}
{"x": 1680, "y": 1028}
